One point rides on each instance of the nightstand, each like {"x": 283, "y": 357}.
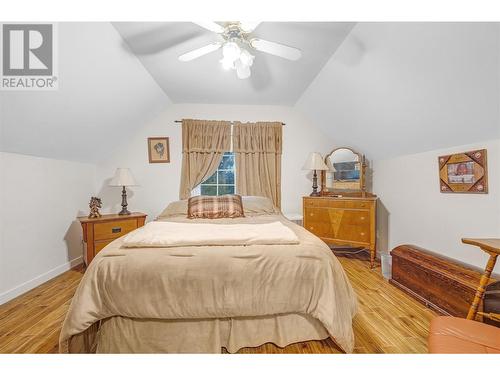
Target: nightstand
{"x": 98, "y": 232}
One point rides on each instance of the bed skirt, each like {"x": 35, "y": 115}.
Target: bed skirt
{"x": 129, "y": 335}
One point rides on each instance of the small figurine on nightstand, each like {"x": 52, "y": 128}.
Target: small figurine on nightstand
{"x": 95, "y": 204}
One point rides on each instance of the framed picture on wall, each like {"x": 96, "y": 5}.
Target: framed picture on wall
{"x": 158, "y": 150}
{"x": 466, "y": 172}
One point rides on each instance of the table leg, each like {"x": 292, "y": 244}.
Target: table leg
{"x": 481, "y": 288}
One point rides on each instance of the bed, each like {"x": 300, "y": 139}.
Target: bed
{"x": 198, "y": 299}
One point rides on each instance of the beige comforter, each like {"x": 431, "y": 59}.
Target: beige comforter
{"x": 203, "y": 282}
{"x": 168, "y": 234}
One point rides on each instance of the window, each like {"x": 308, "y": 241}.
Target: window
{"x": 222, "y": 181}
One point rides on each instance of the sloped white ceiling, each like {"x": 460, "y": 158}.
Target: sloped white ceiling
{"x": 387, "y": 89}
{"x": 104, "y": 95}
{"x": 401, "y": 88}
{"x": 274, "y": 80}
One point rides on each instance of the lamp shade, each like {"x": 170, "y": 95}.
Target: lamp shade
{"x": 123, "y": 177}
{"x": 315, "y": 162}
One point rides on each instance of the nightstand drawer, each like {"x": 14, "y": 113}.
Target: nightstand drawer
{"x": 113, "y": 229}
{"x": 100, "y": 231}
{"x": 99, "y": 245}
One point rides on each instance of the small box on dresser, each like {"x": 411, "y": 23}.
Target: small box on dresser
{"x": 99, "y": 232}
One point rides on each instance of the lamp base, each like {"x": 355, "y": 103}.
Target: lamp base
{"x": 315, "y": 185}
{"x": 124, "y": 210}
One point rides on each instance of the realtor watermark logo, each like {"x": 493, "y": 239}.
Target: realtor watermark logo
{"x": 29, "y": 58}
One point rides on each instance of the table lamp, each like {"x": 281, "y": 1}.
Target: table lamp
{"x": 315, "y": 163}
{"x": 123, "y": 177}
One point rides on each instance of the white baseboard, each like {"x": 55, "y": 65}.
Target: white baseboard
{"x": 33, "y": 283}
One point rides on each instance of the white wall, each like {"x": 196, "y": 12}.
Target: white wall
{"x": 400, "y": 88}
{"x": 104, "y": 93}
{"x": 160, "y": 182}
{"x": 40, "y": 200}
{"x": 412, "y": 210}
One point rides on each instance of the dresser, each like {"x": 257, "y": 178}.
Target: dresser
{"x": 99, "y": 232}
{"x": 346, "y": 220}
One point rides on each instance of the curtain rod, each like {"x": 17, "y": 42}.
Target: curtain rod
{"x": 180, "y": 122}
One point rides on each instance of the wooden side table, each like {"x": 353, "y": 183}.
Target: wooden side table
{"x": 99, "y": 232}
{"x": 492, "y": 247}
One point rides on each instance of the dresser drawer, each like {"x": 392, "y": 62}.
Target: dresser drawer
{"x": 358, "y": 233}
{"x": 334, "y": 204}
{"x": 357, "y": 204}
{"x": 336, "y": 215}
{"x": 311, "y": 202}
{"x": 356, "y": 217}
{"x": 313, "y": 214}
{"x": 323, "y": 203}
{"x": 113, "y": 229}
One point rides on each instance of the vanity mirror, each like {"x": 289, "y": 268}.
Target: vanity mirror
{"x": 345, "y": 174}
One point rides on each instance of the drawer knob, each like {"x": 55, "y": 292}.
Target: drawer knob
{"x": 311, "y": 214}
{"x": 311, "y": 228}
{"x": 116, "y": 230}
{"x": 362, "y": 233}
{"x": 362, "y": 218}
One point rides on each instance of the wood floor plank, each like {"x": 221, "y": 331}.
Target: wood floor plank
{"x": 388, "y": 321}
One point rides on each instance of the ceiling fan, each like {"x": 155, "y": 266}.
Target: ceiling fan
{"x": 236, "y": 40}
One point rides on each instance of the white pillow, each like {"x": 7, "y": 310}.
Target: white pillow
{"x": 255, "y": 205}
{"x": 176, "y": 208}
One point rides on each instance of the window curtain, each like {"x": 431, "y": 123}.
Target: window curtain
{"x": 203, "y": 144}
{"x": 257, "y": 148}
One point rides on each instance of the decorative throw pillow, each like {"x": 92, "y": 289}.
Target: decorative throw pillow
{"x": 209, "y": 207}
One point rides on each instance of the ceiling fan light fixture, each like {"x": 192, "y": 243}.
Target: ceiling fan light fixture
{"x": 246, "y": 58}
{"x": 235, "y": 35}
{"x": 231, "y": 51}
{"x": 227, "y": 64}
{"x": 242, "y": 70}
{"x": 234, "y": 57}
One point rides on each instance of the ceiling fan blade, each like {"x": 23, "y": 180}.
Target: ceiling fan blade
{"x": 191, "y": 55}
{"x": 212, "y": 26}
{"x": 276, "y": 49}
{"x": 249, "y": 26}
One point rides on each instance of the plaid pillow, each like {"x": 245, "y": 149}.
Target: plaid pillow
{"x": 209, "y": 207}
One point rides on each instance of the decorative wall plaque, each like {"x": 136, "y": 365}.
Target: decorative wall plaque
{"x": 464, "y": 173}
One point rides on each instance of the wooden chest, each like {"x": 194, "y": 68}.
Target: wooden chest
{"x": 444, "y": 285}
{"x": 99, "y": 232}
{"x": 348, "y": 221}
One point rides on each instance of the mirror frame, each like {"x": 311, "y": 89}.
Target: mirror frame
{"x": 362, "y": 165}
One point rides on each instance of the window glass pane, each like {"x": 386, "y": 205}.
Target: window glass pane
{"x": 227, "y": 162}
{"x": 222, "y": 181}
{"x": 208, "y": 190}
{"x": 196, "y": 191}
{"x": 228, "y": 189}
{"x": 211, "y": 180}
{"x": 226, "y": 177}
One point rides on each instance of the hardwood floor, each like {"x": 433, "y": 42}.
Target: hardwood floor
{"x": 389, "y": 321}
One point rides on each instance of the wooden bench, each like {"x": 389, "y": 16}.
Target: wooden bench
{"x": 444, "y": 285}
